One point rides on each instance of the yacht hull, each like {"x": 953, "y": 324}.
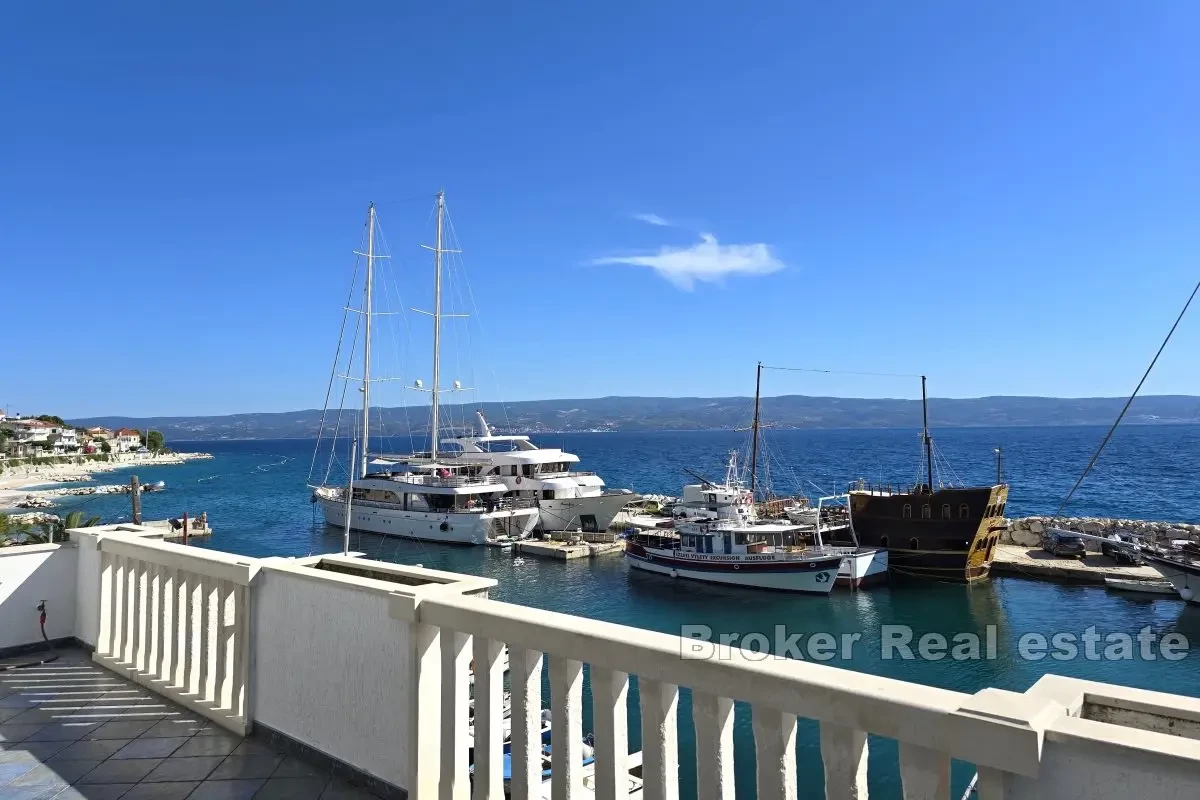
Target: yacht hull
{"x": 815, "y": 577}
{"x": 1184, "y": 577}
{"x": 431, "y": 526}
{"x": 867, "y": 567}
{"x": 589, "y": 514}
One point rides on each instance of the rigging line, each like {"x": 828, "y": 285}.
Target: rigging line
{"x": 479, "y": 317}
{"x": 1128, "y": 402}
{"x": 406, "y": 353}
{"x": 337, "y": 354}
{"x": 843, "y": 372}
{"x": 342, "y": 402}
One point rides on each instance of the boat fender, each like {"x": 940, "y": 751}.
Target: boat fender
{"x": 674, "y": 574}
{"x": 1187, "y": 594}
{"x": 445, "y": 526}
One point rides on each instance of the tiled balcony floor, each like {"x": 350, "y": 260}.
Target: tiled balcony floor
{"x": 72, "y": 729}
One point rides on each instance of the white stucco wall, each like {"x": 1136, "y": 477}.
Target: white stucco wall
{"x": 30, "y": 574}
{"x": 331, "y": 669}
{"x": 1080, "y": 768}
{"x": 87, "y": 597}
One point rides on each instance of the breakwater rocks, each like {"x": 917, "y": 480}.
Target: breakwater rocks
{"x": 1027, "y": 531}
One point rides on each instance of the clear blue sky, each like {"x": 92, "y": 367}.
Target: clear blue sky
{"x": 1004, "y": 196}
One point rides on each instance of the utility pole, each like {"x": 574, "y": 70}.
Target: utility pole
{"x": 135, "y": 494}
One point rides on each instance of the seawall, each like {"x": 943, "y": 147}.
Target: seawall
{"x": 1027, "y": 531}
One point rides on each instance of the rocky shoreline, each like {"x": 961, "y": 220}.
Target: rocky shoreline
{"x": 1027, "y": 531}
{"x": 14, "y": 480}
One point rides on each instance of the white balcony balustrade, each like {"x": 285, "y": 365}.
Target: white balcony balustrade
{"x": 370, "y": 664}
{"x": 176, "y": 619}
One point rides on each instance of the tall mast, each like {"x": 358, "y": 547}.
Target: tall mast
{"x": 366, "y": 387}
{"x": 437, "y": 322}
{"x": 925, "y": 436}
{"x": 754, "y": 444}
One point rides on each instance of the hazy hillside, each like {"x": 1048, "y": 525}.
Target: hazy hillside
{"x": 696, "y": 413}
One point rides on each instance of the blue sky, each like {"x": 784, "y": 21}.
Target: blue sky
{"x": 1002, "y": 196}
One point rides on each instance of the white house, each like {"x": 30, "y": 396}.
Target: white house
{"x": 126, "y": 440}
{"x": 28, "y": 436}
{"x": 64, "y": 439}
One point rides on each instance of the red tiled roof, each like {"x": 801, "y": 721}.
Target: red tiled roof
{"x": 128, "y": 432}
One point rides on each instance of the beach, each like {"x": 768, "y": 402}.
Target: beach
{"x": 15, "y": 481}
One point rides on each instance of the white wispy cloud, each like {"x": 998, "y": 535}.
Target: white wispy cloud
{"x": 652, "y": 219}
{"x": 708, "y": 260}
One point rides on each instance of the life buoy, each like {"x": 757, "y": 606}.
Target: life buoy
{"x": 518, "y": 480}
{"x": 737, "y": 566}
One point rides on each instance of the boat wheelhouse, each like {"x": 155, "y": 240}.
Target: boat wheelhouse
{"x": 566, "y": 500}
{"x": 763, "y": 556}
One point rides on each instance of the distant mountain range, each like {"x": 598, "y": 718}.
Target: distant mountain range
{"x": 691, "y": 413}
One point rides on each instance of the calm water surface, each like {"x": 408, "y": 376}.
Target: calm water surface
{"x": 255, "y": 495}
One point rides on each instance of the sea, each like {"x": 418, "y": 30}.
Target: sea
{"x": 256, "y": 497}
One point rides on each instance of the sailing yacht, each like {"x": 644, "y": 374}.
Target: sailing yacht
{"x": 432, "y": 499}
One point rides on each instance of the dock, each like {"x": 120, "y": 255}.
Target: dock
{"x": 567, "y": 550}
{"x": 1029, "y": 562}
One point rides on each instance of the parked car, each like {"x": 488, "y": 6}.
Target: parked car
{"x": 1063, "y": 544}
{"x": 1121, "y": 549}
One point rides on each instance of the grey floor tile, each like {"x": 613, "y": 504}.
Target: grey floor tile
{"x": 292, "y": 789}
{"x": 221, "y": 745}
{"x": 43, "y": 792}
{"x": 99, "y": 749}
{"x": 292, "y": 767}
{"x": 17, "y": 755}
{"x": 43, "y": 775}
{"x": 176, "y": 768}
{"x": 15, "y": 769}
{"x": 129, "y": 770}
{"x": 226, "y": 790}
{"x": 7, "y": 714}
{"x": 62, "y": 732}
{"x": 161, "y": 791}
{"x": 122, "y": 729}
{"x": 73, "y": 771}
{"x": 19, "y": 733}
{"x": 109, "y": 791}
{"x": 340, "y": 790}
{"x": 37, "y": 714}
{"x": 245, "y": 767}
{"x": 42, "y": 750}
{"x": 160, "y": 747}
{"x": 255, "y": 747}
{"x": 176, "y": 726}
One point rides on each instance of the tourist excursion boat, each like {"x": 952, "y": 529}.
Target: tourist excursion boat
{"x": 948, "y": 533}
{"x": 424, "y": 497}
{"x": 566, "y": 500}
{"x": 719, "y": 537}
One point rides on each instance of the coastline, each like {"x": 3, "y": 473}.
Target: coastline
{"x": 14, "y": 481}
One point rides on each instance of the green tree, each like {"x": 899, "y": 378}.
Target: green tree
{"x": 153, "y": 440}
{"x": 105, "y": 447}
{"x": 53, "y": 420}
{"x": 57, "y": 531}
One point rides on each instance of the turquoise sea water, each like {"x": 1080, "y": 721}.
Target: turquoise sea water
{"x": 255, "y": 495}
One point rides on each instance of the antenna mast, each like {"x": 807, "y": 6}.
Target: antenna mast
{"x": 925, "y": 436}
{"x": 366, "y": 387}
{"x": 754, "y": 444}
